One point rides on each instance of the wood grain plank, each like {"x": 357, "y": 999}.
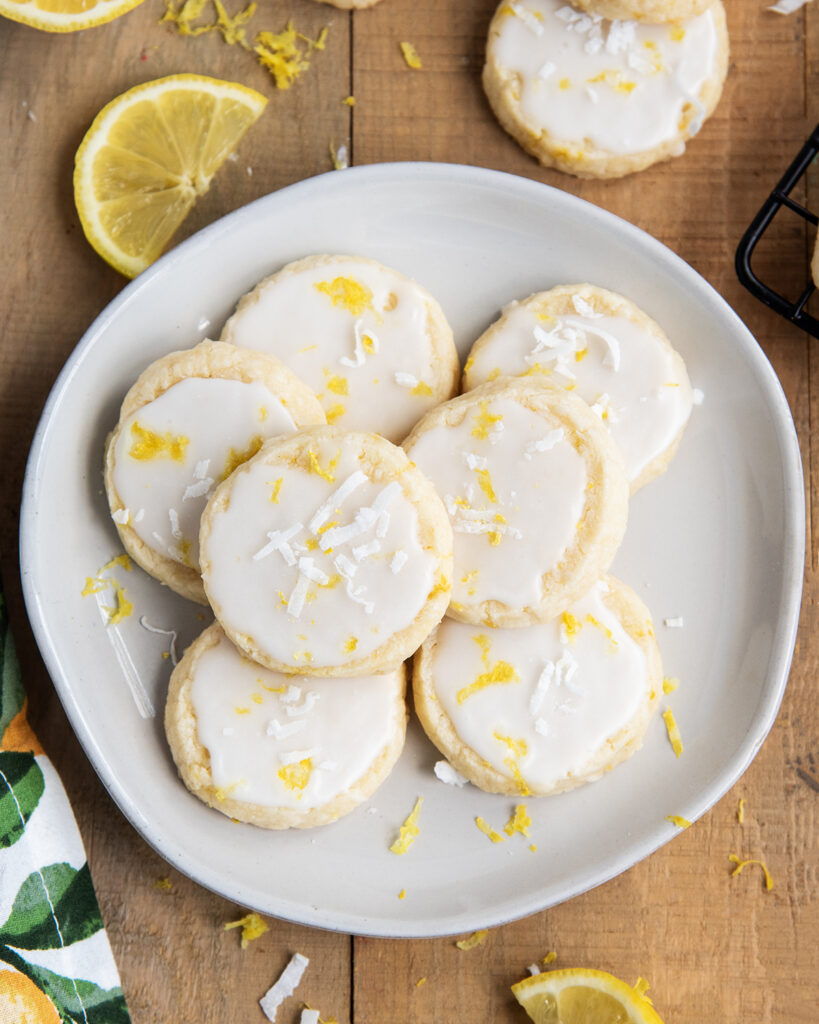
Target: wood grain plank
{"x": 175, "y": 959}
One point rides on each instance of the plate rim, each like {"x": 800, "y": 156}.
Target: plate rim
{"x": 788, "y": 604}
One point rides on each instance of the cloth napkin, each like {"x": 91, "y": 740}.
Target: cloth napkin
{"x": 56, "y": 963}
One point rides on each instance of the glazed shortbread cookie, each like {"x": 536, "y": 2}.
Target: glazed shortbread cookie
{"x": 536, "y": 492}
{"x": 279, "y": 751}
{"x": 543, "y": 709}
{"x": 185, "y": 425}
{"x": 654, "y": 11}
{"x": 609, "y": 353}
{"x": 373, "y": 345}
{"x": 599, "y": 98}
{"x": 327, "y": 553}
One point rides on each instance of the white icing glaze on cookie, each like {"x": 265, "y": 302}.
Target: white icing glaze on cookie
{"x": 318, "y": 575}
{"x": 624, "y": 86}
{"x": 288, "y": 741}
{"x": 357, "y": 333}
{"x": 537, "y": 703}
{"x": 631, "y": 379}
{"x": 515, "y": 490}
{"x": 172, "y": 452}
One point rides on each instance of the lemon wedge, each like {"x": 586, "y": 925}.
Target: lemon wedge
{"x": 580, "y": 995}
{"x": 148, "y": 155}
{"x": 65, "y": 15}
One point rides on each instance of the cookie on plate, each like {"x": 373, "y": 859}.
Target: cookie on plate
{"x": 653, "y": 11}
{"x": 598, "y": 98}
{"x": 279, "y": 751}
{"x": 542, "y": 709}
{"x": 374, "y": 345}
{"x": 188, "y": 421}
{"x": 606, "y": 351}
{"x": 328, "y": 554}
{"x": 536, "y": 492}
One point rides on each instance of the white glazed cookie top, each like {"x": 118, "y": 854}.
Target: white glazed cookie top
{"x": 317, "y": 566}
{"x": 288, "y": 741}
{"x": 515, "y": 488}
{"x": 172, "y": 453}
{"x": 356, "y": 333}
{"x": 633, "y": 380}
{"x": 537, "y": 703}
{"x": 626, "y": 87}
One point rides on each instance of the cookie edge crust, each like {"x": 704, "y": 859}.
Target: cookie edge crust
{"x": 603, "y": 525}
{"x": 553, "y": 302}
{"x": 444, "y": 361}
{"x": 499, "y": 84}
{"x": 182, "y": 737}
{"x": 648, "y": 12}
{"x": 434, "y": 531}
{"x": 208, "y": 360}
{"x": 440, "y": 730}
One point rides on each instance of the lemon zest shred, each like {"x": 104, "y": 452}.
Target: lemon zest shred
{"x": 252, "y": 927}
{"x": 147, "y": 444}
{"x": 420, "y": 982}
{"x": 673, "y": 732}
{"x": 495, "y": 536}
{"x": 550, "y": 957}
{"x": 741, "y": 811}
{"x": 483, "y": 420}
{"x": 421, "y": 389}
{"x": 123, "y": 560}
{"x": 235, "y": 457}
{"x": 670, "y": 684}
{"x": 123, "y": 607}
{"x": 517, "y": 747}
{"x": 351, "y": 644}
{"x": 296, "y": 776}
{"x": 334, "y": 412}
{"x": 240, "y": 710}
{"x": 517, "y": 775}
{"x": 740, "y": 864}
{"x": 338, "y": 385}
{"x": 487, "y": 830}
{"x": 571, "y": 624}
{"x": 347, "y": 293}
{"x": 276, "y": 486}
{"x": 678, "y": 820}
{"x": 518, "y": 822}
{"x": 282, "y": 54}
{"x": 485, "y": 483}
{"x": 410, "y": 55}
{"x": 475, "y": 939}
{"x": 500, "y": 674}
{"x": 402, "y": 895}
{"x": 315, "y": 467}
{"x": 349, "y": 101}
{"x": 93, "y": 585}
{"x": 641, "y": 986}
{"x": 409, "y": 830}
{"x": 163, "y": 884}
{"x": 223, "y": 792}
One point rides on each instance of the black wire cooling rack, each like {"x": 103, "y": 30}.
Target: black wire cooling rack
{"x": 793, "y": 311}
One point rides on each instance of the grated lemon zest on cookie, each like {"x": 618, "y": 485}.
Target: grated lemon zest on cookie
{"x": 421, "y": 389}
{"x": 485, "y": 483}
{"x": 517, "y": 775}
{"x": 483, "y": 421}
{"x": 740, "y": 864}
{"x": 276, "y": 486}
{"x": 149, "y": 445}
{"x": 347, "y": 293}
{"x": 296, "y": 776}
{"x": 252, "y": 927}
{"x": 351, "y": 642}
{"x": 673, "y": 732}
{"x": 409, "y": 830}
{"x": 495, "y": 536}
{"x": 334, "y": 412}
{"x": 338, "y": 385}
{"x": 475, "y": 939}
{"x": 500, "y": 674}
{"x": 677, "y": 32}
{"x": 316, "y": 467}
{"x": 593, "y": 621}
{"x": 518, "y": 822}
{"x": 519, "y": 748}
{"x": 678, "y": 820}
{"x": 410, "y": 55}
{"x": 487, "y": 830}
{"x": 235, "y": 458}
{"x": 572, "y": 625}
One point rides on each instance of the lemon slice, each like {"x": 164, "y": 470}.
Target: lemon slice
{"x": 65, "y": 15}
{"x": 582, "y": 996}
{"x": 148, "y": 155}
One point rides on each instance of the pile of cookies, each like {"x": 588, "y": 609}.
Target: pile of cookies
{"x": 602, "y": 88}
{"x": 311, "y": 477}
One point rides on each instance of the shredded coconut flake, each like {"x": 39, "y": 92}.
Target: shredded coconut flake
{"x": 542, "y": 727}
{"x": 787, "y": 6}
{"x": 584, "y": 308}
{"x": 295, "y": 756}
{"x": 310, "y": 701}
{"x": 121, "y": 516}
{"x": 309, "y": 1016}
{"x": 163, "y": 632}
{"x": 544, "y": 444}
{"x": 399, "y": 560}
{"x": 173, "y": 516}
{"x": 280, "y": 732}
{"x": 547, "y": 70}
{"x": 406, "y": 380}
{"x": 444, "y": 772}
{"x": 291, "y": 694}
{"x": 676, "y": 623}
{"x": 533, "y": 969}
{"x": 544, "y": 681}
{"x": 697, "y": 396}
{"x": 527, "y": 17}
{"x": 283, "y": 988}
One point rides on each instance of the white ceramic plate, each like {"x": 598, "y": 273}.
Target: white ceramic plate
{"x": 718, "y": 540}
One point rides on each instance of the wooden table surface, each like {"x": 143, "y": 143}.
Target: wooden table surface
{"x": 714, "y": 949}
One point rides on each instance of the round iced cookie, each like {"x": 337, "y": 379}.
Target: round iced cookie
{"x": 190, "y": 419}
{"x": 598, "y": 98}
{"x": 374, "y": 345}
{"x": 537, "y": 496}
{"x": 327, "y": 553}
{"x": 609, "y": 353}
{"x": 279, "y": 751}
{"x": 542, "y": 709}
{"x": 653, "y": 11}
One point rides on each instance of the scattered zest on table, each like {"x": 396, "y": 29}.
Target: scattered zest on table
{"x": 740, "y": 864}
